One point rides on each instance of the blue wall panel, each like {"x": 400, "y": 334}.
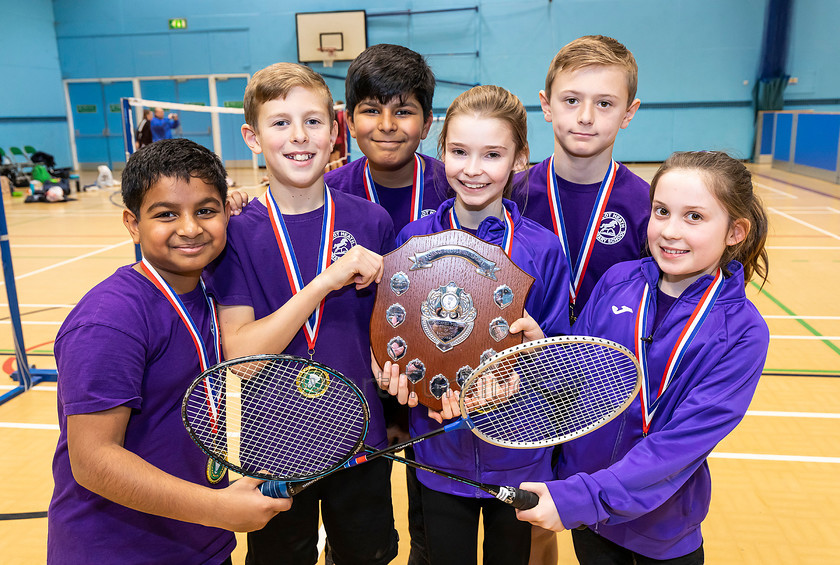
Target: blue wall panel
{"x": 781, "y": 142}
{"x": 688, "y": 52}
{"x": 817, "y": 137}
{"x": 767, "y": 134}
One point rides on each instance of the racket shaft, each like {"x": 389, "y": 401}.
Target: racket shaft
{"x": 516, "y": 497}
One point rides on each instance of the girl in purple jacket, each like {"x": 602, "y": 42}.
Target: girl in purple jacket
{"x": 637, "y": 489}
{"x": 482, "y": 142}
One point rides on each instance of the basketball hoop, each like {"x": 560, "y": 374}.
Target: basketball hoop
{"x": 329, "y": 55}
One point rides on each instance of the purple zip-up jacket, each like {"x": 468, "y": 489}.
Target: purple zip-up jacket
{"x": 650, "y": 493}
{"x": 537, "y": 252}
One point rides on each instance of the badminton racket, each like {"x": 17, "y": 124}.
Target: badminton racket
{"x": 290, "y": 421}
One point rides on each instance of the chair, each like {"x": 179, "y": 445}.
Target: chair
{"x": 20, "y": 159}
{"x": 30, "y": 151}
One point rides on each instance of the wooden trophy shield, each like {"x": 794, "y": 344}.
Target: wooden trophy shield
{"x": 445, "y": 304}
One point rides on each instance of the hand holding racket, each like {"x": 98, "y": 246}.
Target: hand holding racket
{"x": 290, "y": 421}
{"x": 283, "y": 418}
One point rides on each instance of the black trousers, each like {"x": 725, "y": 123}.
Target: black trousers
{"x": 592, "y": 549}
{"x": 451, "y": 529}
{"x": 358, "y": 516}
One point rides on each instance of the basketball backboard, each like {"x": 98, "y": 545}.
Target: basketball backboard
{"x": 330, "y": 36}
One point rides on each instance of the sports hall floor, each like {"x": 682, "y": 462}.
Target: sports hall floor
{"x": 776, "y": 495}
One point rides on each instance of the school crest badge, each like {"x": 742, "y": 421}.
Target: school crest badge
{"x": 612, "y": 229}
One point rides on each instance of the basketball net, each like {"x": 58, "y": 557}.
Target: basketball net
{"x": 329, "y": 55}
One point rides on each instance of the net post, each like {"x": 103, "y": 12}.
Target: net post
{"x": 25, "y": 377}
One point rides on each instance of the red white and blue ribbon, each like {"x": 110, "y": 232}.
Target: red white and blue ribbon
{"x": 284, "y": 243}
{"x": 192, "y": 328}
{"x": 416, "y": 188}
{"x": 689, "y": 332}
{"x": 507, "y": 239}
{"x": 578, "y": 269}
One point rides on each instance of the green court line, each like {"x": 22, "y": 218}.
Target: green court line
{"x": 790, "y": 312}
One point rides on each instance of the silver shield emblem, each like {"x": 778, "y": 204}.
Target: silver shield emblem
{"x": 399, "y": 283}
{"x": 463, "y": 374}
{"x": 438, "y": 386}
{"x": 396, "y": 348}
{"x": 415, "y": 370}
{"x": 503, "y": 296}
{"x": 499, "y": 329}
{"x": 447, "y": 316}
{"x": 488, "y": 353}
{"x": 395, "y": 314}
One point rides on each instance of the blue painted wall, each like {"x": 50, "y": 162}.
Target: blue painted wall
{"x": 32, "y": 110}
{"x": 694, "y": 57}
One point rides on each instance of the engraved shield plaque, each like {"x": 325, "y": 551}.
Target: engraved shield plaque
{"x": 452, "y": 287}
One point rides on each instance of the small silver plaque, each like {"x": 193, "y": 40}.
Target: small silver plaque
{"x": 499, "y": 329}
{"x": 415, "y": 370}
{"x": 438, "y": 386}
{"x": 399, "y": 283}
{"x": 503, "y": 296}
{"x": 396, "y": 348}
{"x": 486, "y": 355}
{"x": 463, "y": 374}
{"x": 395, "y": 314}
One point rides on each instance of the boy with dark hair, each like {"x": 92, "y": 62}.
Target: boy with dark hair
{"x": 295, "y": 278}
{"x": 389, "y": 91}
{"x": 128, "y": 479}
{"x": 597, "y": 207}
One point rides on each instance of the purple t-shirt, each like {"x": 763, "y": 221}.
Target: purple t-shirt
{"x": 397, "y": 201}
{"x": 251, "y": 272}
{"x": 124, "y": 344}
{"x": 622, "y": 234}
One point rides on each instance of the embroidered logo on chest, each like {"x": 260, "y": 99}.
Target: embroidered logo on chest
{"x": 342, "y": 242}
{"x": 612, "y": 228}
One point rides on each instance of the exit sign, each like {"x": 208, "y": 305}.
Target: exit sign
{"x": 178, "y": 23}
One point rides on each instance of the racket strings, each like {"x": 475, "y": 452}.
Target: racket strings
{"x": 550, "y": 393}
{"x": 278, "y": 418}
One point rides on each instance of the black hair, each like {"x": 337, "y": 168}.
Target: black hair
{"x": 178, "y": 158}
{"x": 386, "y": 71}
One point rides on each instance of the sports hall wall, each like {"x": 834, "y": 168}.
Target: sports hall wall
{"x": 32, "y": 107}
{"x": 698, "y": 60}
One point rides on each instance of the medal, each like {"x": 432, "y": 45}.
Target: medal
{"x": 416, "y": 188}
{"x": 578, "y": 269}
{"x": 213, "y": 396}
{"x": 689, "y": 332}
{"x": 507, "y": 239}
{"x": 284, "y": 243}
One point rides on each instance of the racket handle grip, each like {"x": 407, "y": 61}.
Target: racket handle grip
{"x": 518, "y": 498}
{"x": 275, "y": 489}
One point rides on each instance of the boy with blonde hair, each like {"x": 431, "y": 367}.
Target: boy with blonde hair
{"x": 297, "y": 277}
{"x": 597, "y": 207}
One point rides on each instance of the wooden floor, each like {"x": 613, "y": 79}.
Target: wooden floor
{"x": 776, "y": 496}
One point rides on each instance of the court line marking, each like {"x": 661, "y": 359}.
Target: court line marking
{"x": 63, "y": 245}
{"x": 776, "y": 190}
{"x": 804, "y": 223}
{"x": 799, "y": 186}
{"x": 2, "y": 305}
{"x": 790, "y": 312}
{"x": 776, "y": 414}
{"x": 765, "y": 457}
{"x": 714, "y": 454}
{"x": 68, "y": 261}
{"x": 819, "y": 337}
{"x": 802, "y": 247}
